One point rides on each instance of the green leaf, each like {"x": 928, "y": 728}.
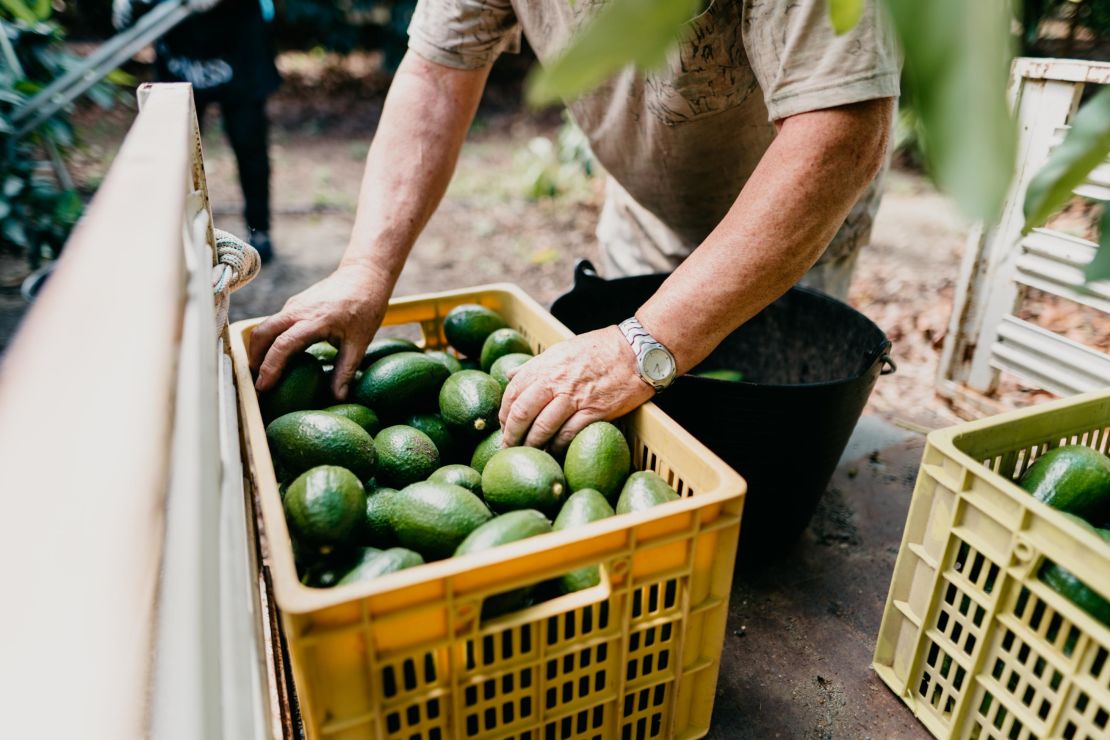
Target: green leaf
{"x": 68, "y": 208}
{"x": 1085, "y": 147}
{"x": 41, "y": 9}
{"x": 957, "y": 60}
{"x": 845, "y": 14}
{"x": 20, "y": 11}
{"x": 622, "y": 32}
{"x": 1099, "y": 267}
{"x": 121, "y": 78}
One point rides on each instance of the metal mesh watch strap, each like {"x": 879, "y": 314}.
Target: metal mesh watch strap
{"x": 641, "y": 342}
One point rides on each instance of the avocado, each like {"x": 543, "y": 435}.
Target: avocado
{"x": 301, "y": 384}
{"x": 643, "y": 490}
{"x": 470, "y": 364}
{"x": 436, "y": 427}
{"x": 1072, "y": 478}
{"x": 384, "y": 347}
{"x": 324, "y": 352}
{"x": 359, "y": 414}
{"x": 598, "y": 458}
{"x": 459, "y": 475}
{"x": 324, "y": 507}
{"x": 304, "y": 439}
{"x": 377, "y": 528}
{"x": 400, "y": 383}
{"x": 469, "y": 400}
{"x": 325, "y": 571}
{"x": 486, "y": 449}
{"x": 467, "y": 326}
{"x": 389, "y": 561}
{"x": 1074, "y": 590}
{"x": 581, "y": 507}
{"x": 500, "y": 368}
{"x": 503, "y": 529}
{"x": 405, "y": 455}
{"x": 500, "y": 343}
{"x": 446, "y": 359}
{"x": 434, "y": 518}
{"x": 523, "y": 478}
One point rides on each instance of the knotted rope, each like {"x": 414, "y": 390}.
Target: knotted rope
{"x": 237, "y": 264}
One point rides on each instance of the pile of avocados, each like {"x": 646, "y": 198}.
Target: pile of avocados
{"x": 1076, "y": 480}
{"x": 412, "y": 470}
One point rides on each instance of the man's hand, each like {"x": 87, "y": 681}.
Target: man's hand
{"x": 344, "y": 308}
{"x": 554, "y": 396}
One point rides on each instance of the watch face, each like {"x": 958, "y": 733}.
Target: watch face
{"x": 658, "y": 364}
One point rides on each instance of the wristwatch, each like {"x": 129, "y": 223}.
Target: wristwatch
{"x": 654, "y": 362}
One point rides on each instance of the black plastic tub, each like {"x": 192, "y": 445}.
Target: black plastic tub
{"x": 810, "y": 363}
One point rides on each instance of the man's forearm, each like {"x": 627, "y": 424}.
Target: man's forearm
{"x": 426, "y": 117}
{"x": 789, "y": 210}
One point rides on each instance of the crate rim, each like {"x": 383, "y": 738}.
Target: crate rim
{"x": 944, "y": 440}
{"x": 295, "y": 598}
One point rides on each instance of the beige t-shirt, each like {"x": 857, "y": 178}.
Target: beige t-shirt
{"x": 681, "y": 141}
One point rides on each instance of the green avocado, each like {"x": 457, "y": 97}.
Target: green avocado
{"x": 434, "y": 518}
{"x": 324, "y": 507}
{"x": 304, "y": 439}
{"x": 359, "y": 414}
{"x": 523, "y": 478}
{"x": 384, "y": 347}
{"x": 500, "y": 343}
{"x": 598, "y": 458}
{"x": 446, "y": 359}
{"x": 389, "y": 561}
{"x": 581, "y": 507}
{"x": 470, "y": 400}
{"x": 459, "y": 475}
{"x": 486, "y": 449}
{"x": 1072, "y": 478}
{"x": 300, "y": 387}
{"x": 405, "y": 455}
{"x": 500, "y": 368}
{"x": 401, "y": 383}
{"x": 643, "y": 490}
{"x": 467, "y": 326}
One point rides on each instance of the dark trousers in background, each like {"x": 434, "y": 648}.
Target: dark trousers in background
{"x": 248, "y": 132}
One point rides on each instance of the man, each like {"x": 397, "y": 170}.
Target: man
{"x": 226, "y": 53}
{"x": 737, "y": 161}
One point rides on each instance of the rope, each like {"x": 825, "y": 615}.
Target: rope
{"x": 237, "y": 264}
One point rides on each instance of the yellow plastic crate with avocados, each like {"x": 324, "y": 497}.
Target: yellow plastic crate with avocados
{"x": 409, "y": 655}
{"x": 975, "y": 637}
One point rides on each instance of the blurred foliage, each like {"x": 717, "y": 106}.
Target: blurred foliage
{"x": 549, "y": 168}
{"x": 957, "y": 61}
{"x": 37, "y": 209}
{"x": 605, "y": 45}
{"x": 346, "y": 25}
{"x": 957, "y": 56}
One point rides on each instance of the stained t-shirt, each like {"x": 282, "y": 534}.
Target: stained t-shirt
{"x": 681, "y": 140}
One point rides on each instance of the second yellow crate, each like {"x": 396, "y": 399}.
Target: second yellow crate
{"x": 408, "y": 656}
{"x": 971, "y": 639}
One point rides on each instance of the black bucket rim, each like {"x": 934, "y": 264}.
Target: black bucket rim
{"x": 584, "y": 268}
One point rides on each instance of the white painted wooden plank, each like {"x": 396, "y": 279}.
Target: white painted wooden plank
{"x": 1043, "y": 106}
{"x": 86, "y": 408}
{"x": 1049, "y": 360}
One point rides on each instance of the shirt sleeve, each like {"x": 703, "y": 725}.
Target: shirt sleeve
{"x": 464, "y": 34}
{"x": 802, "y": 65}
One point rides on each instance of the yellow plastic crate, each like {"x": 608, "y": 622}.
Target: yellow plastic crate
{"x": 407, "y": 655}
{"x": 971, "y": 640}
